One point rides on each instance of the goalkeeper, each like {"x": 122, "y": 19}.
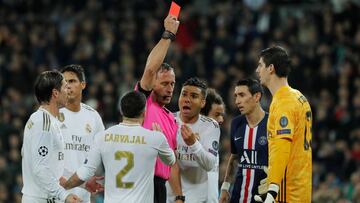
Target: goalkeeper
{"x": 289, "y": 132}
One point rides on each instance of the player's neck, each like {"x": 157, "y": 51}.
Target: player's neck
{"x": 255, "y": 117}
{"x": 189, "y": 120}
{"x": 277, "y": 83}
{"x": 74, "y": 106}
{"x": 52, "y": 108}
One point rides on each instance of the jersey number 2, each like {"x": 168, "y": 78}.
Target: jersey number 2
{"x": 130, "y": 164}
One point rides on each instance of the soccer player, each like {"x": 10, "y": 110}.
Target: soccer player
{"x": 214, "y": 106}
{"x": 248, "y": 144}
{"x": 42, "y": 150}
{"x": 289, "y": 132}
{"x": 215, "y": 109}
{"x": 128, "y": 152}
{"x": 197, "y": 142}
{"x": 79, "y": 124}
{"x": 157, "y": 83}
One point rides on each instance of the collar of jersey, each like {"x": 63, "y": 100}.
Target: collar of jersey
{"x": 130, "y": 124}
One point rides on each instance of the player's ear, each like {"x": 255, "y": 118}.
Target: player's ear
{"x": 83, "y": 85}
{"x": 203, "y": 102}
{"x": 257, "y": 96}
{"x": 55, "y": 93}
{"x": 271, "y": 69}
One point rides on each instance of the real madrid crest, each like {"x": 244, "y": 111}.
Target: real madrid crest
{"x": 61, "y": 117}
{"x": 88, "y": 128}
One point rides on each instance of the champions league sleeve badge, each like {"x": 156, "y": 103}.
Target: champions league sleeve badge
{"x": 43, "y": 151}
{"x": 283, "y": 121}
{"x": 215, "y": 145}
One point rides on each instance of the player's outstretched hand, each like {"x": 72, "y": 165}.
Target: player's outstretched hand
{"x": 62, "y": 181}
{"x": 72, "y": 199}
{"x": 188, "y": 135}
{"x": 224, "y": 196}
{"x": 171, "y": 24}
{"x": 94, "y": 187}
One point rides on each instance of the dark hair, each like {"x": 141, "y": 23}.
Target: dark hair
{"x": 253, "y": 85}
{"x": 212, "y": 97}
{"x": 132, "y": 104}
{"x": 279, "y": 58}
{"x": 165, "y": 67}
{"x": 45, "y": 83}
{"x": 77, "y": 69}
{"x": 197, "y": 83}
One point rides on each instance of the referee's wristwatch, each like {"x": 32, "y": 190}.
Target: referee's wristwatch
{"x": 180, "y": 197}
{"x": 168, "y": 35}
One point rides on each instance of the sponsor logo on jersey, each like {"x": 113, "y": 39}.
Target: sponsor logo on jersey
{"x": 77, "y": 144}
{"x": 77, "y": 147}
{"x": 249, "y": 157}
{"x": 186, "y": 157}
{"x": 249, "y": 160}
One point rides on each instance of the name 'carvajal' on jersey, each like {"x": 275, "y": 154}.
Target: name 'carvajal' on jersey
{"x": 125, "y": 139}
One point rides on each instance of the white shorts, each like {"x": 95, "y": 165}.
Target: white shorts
{"x": 31, "y": 199}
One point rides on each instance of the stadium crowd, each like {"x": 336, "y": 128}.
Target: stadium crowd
{"x": 218, "y": 41}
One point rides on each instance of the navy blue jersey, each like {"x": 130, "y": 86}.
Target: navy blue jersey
{"x": 251, "y": 147}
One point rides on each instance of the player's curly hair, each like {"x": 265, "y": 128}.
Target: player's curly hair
{"x": 212, "y": 97}
{"x": 194, "y": 81}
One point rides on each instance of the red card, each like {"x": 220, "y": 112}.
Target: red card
{"x": 174, "y": 9}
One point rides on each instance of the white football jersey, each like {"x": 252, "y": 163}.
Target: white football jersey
{"x": 79, "y": 129}
{"x": 213, "y": 184}
{"x": 43, "y": 157}
{"x": 128, "y": 153}
{"x": 197, "y": 160}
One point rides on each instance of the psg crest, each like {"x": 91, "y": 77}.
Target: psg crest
{"x": 262, "y": 140}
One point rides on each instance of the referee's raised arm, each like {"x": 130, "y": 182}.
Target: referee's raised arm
{"x": 158, "y": 53}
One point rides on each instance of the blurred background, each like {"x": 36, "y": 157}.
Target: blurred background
{"x": 218, "y": 41}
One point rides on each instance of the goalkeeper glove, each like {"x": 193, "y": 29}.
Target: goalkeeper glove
{"x": 263, "y": 187}
{"x": 270, "y": 196}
